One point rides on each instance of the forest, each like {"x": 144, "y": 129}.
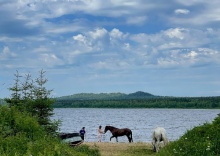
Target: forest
{"x": 134, "y": 100}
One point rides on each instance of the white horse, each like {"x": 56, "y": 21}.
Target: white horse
{"x": 159, "y": 135}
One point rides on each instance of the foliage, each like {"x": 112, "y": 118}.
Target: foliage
{"x": 32, "y": 96}
{"x": 2, "y": 102}
{"x": 153, "y": 102}
{"x": 201, "y": 140}
{"x": 21, "y": 135}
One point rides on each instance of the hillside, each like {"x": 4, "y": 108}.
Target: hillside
{"x": 134, "y": 100}
{"x": 107, "y": 96}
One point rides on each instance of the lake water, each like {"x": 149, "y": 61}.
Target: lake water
{"x": 140, "y": 121}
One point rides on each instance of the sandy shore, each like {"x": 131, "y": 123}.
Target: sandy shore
{"x": 117, "y": 149}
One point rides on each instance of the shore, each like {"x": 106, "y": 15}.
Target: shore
{"x": 121, "y": 149}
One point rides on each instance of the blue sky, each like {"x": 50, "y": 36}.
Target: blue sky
{"x": 101, "y": 46}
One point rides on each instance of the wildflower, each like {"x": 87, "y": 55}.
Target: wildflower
{"x": 174, "y": 150}
{"x": 208, "y": 148}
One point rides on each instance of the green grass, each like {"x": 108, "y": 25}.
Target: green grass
{"x": 139, "y": 151}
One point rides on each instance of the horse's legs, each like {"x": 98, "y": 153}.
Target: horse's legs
{"x": 116, "y": 139}
{"x": 129, "y": 136}
{"x": 111, "y": 138}
{"x": 129, "y": 139}
{"x": 154, "y": 146}
{"x": 157, "y": 144}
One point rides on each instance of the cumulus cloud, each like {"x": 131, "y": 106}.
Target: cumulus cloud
{"x": 115, "y": 33}
{"x": 176, "y": 33}
{"x": 80, "y": 38}
{"x": 98, "y": 33}
{"x": 99, "y": 36}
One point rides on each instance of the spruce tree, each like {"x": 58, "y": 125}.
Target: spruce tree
{"x": 42, "y": 105}
{"x": 33, "y": 97}
{"x": 16, "y": 89}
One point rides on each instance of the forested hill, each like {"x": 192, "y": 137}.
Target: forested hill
{"x": 107, "y": 96}
{"x": 134, "y": 100}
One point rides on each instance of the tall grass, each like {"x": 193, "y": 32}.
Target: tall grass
{"x": 21, "y": 135}
{"x": 203, "y": 140}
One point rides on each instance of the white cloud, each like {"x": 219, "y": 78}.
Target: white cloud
{"x": 191, "y": 54}
{"x": 98, "y": 33}
{"x": 80, "y": 38}
{"x": 182, "y": 11}
{"x": 176, "y": 33}
{"x": 115, "y": 33}
{"x": 96, "y": 37}
{"x": 127, "y": 46}
{"x": 50, "y": 60}
{"x": 205, "y": 13}
{"x": 6, "y": 53}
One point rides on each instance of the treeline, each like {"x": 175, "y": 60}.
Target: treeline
{"x": 153, "y": 102}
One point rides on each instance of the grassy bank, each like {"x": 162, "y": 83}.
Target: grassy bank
{"x": 122, "y": 149}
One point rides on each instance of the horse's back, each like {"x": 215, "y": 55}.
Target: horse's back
{"x": 158, "y": 132}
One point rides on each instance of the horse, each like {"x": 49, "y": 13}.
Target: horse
{"x": 116, "y": 132}
{"x": 159, "y": 135}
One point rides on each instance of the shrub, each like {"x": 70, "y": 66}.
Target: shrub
{"x": 201, "y": 140}
{"x": 21, "y": 135}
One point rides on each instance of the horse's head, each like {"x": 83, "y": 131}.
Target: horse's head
{"x": 153, "y": 147}
{"x": 106, "y": 129}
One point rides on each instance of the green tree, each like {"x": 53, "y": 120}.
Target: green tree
{"x": 33, "y": 97}
{"x": 42, "y": 103}
{"x": 16, "y": 92}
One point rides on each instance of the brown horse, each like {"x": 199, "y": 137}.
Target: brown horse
{"x": 119, "y": 132}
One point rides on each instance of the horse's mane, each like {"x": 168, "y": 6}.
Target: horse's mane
{"x": 112, "y": 127}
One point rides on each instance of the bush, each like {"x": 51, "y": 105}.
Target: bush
{"x": 21, "y": 135}
{"x": 201, "y": 140}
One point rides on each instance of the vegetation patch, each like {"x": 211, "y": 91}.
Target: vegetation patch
{"x": 201, "y": 140}
{"x": 25, "y": 125}
{"x": 122, "y": 149}
{"x": 134, "y": 100}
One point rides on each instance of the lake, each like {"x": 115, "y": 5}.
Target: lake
{"x": 140, "y": 121}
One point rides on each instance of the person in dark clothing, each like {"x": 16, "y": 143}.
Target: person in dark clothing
{"x": 82, "y": 133}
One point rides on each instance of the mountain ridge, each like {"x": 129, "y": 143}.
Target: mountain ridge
{"x": 118, "y": 95}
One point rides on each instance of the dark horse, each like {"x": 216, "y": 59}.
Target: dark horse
{"x": 116, "y": 132}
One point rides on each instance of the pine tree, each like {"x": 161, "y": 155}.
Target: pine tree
{"x": 15, "y": 99}
{"x": 42, "y": 105}
{"x": 33, "y": 97}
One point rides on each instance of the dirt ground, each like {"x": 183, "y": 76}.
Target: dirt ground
{"x": 119, "y": 149}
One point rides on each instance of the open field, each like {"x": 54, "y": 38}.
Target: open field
{"x": 122, "y": 149}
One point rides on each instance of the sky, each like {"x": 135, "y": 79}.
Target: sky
{"x": 167, "y": 48}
